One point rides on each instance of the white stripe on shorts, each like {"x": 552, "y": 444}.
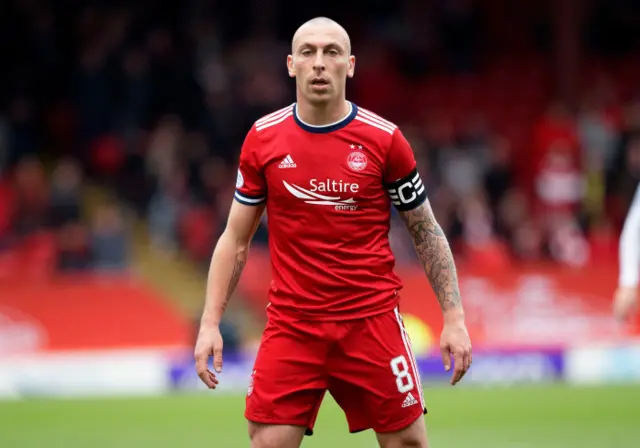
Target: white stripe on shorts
{"x": 407, "y": 346}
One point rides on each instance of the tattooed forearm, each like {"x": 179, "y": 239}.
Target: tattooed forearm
{"x": 235, "y": 278}
{"x": 435, "y": 254}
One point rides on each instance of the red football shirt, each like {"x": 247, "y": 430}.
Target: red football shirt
{"x": 328, "y": 198}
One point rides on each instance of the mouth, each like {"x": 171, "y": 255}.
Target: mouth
{"x": 319, "y": 83}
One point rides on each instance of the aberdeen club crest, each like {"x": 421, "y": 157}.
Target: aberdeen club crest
{"x": 357, "y": 161}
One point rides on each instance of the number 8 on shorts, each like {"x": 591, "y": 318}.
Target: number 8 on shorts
{"x": 400, "y": 369}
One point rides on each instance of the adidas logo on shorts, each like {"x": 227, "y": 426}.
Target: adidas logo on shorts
{"x": 409, "y": 401}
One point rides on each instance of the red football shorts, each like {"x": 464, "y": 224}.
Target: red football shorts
{"x": 367, "y": 365}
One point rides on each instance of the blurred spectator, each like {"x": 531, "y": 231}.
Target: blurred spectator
{"x": 66, "y": 192}
{"x": 32, "y": 198}
{"x": 554, "y": 132}
{"x": 527, "y": 242}
{"x": 166, "y": 207}
{"x": 498, "y": 178}
{"x": 598, "y": 136}
{"x": 164, "y": 148}
{"x": 477, "y": 222}
{"x": 559, "y": 182}
{"x": 74, "y": 253}
{"x": 567, "y": 243}
{"x": 109, "y": 242}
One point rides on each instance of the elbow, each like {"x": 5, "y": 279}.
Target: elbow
{"x": 237, "y": 244}
{"x": 242, "y": 251}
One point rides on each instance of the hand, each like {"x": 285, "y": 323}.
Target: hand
{"x": 625, "y": 302}
{"x": 455, "y": 342}
{"x": 209, "y": 343}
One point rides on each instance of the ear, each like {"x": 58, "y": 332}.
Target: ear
{"x": 290, "y": 67}
{"x": 352, "y": 66}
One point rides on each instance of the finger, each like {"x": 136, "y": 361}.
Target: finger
{"x": 446, "y": 358}
{"x": 217, "y": 359}
{"x": 458, "y": 367}
{"x": 205, "y": 375}
{"x": 201, "y": 362}
{"x": 213, "y": 381}
{"x": 467, "y": 360}
{"x": 209, "y": 379}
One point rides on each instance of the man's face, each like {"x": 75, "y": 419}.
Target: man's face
{"x": 321, "y": 62}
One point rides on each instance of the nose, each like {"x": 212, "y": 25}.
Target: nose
{"x": 318, "y": 63}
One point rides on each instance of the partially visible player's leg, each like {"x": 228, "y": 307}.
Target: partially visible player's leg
{"x": 275, "y": 436}
{"x": 375, "y": 379}
{"x": 287, "y": 385}
{"x": 413, "y": 436}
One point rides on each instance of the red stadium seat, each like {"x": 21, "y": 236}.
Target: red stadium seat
{"x": 38, "y": 255}
{"x": 10, "y": 266}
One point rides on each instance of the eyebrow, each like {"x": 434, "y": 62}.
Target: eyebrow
{"x": 331, "y": 45}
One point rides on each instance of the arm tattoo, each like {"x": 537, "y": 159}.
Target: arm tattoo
{"x": 435, "y": 254}
{"x": 233, "y": 282}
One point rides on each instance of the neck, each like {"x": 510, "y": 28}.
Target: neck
{"x": 324, "y": 114}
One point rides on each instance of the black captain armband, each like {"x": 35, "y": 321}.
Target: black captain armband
{"x": 407, "y": 193}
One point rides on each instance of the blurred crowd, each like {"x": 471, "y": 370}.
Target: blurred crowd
{"x": 559, "y": 192}
{"x": 44, "y": 225}
{"x": 153, "y": 103}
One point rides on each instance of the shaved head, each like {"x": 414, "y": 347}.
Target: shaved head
{"x": 321, "y": 61}
{"x": 321, "y": 24}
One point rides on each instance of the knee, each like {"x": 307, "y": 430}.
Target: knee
{"x": 415, "y": 437}
{"x": 406, "y": 441}
{"x": 412, "y": 441}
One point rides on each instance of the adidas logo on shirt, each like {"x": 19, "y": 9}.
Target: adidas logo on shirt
{"x": 287, "y": 162}
{"x": 409, "y": 401}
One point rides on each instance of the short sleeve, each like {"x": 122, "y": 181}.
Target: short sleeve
{"x": 401, "y": 176}
{"x": 400, "y": 159}
{"x": 250, "y": 184}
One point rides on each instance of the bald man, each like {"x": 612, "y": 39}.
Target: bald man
{"x": 327, "y": 172}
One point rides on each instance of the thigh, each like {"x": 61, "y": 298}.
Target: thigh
{"x": 414, "y": 435}
{"x": 375, "y": 377}
{"x": 282, "y": 436}
{"x": 289, "y": 379}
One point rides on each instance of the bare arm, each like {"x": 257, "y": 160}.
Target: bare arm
{"x": 625, "y": 300}
{"x": 629, "y": 246}
{"x": 435, "y": 254}
{"x": 408, "y": 194}
{"x": 229, "y": 258}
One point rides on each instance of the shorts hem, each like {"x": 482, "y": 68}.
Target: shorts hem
{"x": 308, "y": 431}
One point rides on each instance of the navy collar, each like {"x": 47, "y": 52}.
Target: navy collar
{"x": 327, "y": 127}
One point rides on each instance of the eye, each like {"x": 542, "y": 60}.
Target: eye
{"x": 333, "y": 52}
{"x": 306, "y": 52}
